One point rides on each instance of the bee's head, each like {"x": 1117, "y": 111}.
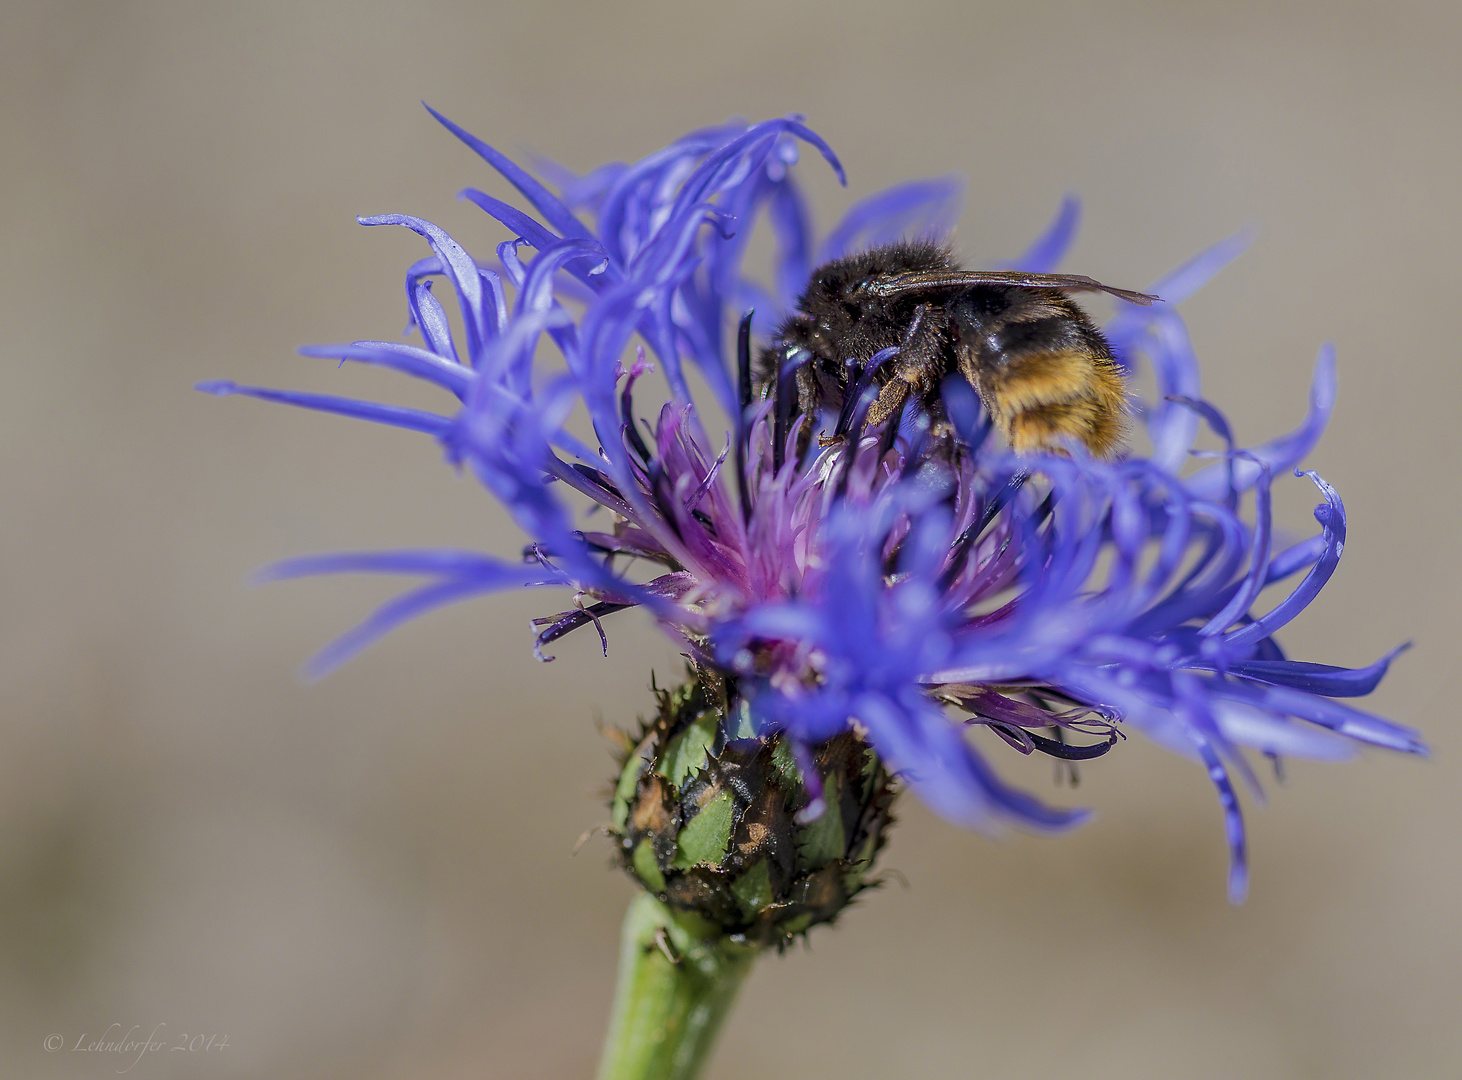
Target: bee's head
{"x": 837, "y": 295}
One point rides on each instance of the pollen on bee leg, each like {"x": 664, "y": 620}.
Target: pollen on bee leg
{"x": 890, "y": 400}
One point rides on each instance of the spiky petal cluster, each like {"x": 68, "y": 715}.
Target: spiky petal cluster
{"x": 904, "y": 580}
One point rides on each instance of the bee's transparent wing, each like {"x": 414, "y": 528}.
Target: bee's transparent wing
{"x": 924, "y": 280}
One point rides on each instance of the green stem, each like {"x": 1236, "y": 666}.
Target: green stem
{"x": 667, "y": 1011}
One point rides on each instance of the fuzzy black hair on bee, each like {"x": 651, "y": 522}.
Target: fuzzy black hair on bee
{"x": 1041, "y": 367}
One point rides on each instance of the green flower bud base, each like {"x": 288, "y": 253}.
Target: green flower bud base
{"x": 736, "y": 853}
{"x": 714, "y": 820}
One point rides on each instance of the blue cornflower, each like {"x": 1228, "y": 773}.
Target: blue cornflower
{"x": 914, "y": 580}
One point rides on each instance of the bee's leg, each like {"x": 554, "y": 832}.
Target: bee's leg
{"x": 914, "y": 362}
{"x": 808, "y": 393}
{"x": 889, "y": 402}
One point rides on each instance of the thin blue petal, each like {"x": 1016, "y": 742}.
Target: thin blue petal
{"x": 1352, "y": 723}
{"x": 920, "y": 207}
{"x": 430, "y": 561}
{"x": 456, "y": 264}
{"x": 712, "y": 171}
{"x": 1248, "y": 592}
{"x": 512, "y": 217}
{"x": 1320, "y": 679}
{"x": 1187, "y": 279}
{"x": 1284, "y": 453}
{"x": 408, "y": 359}
{"x": 1233, "y": 823}
{"x": 391, "y": 415}
{"x": 1046, "y": 254}
{"x": 1245, "y": 724}
{"x": 792, "y": 224}
{"x": 1331, "y": 516}
{"x": 932, "y": 755}
{"x": 554, "y": 211}
{"x": 395, "y": 612}
{"x": 430, "y": 317}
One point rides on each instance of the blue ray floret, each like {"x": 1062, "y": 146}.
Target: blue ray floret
{"x": 910, "y": 581}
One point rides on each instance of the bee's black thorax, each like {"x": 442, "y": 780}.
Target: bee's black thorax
{"x": 842, "y": 326}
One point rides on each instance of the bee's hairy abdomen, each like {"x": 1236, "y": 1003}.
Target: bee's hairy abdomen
{"x": 1043, "y": 370}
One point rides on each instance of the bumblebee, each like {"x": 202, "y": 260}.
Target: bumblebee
{"x": 1039, "y": 364}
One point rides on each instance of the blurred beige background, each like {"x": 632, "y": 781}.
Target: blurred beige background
{"x": 370, "y": 877}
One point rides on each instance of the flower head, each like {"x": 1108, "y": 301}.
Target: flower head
{"x": 911, "y": 578}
